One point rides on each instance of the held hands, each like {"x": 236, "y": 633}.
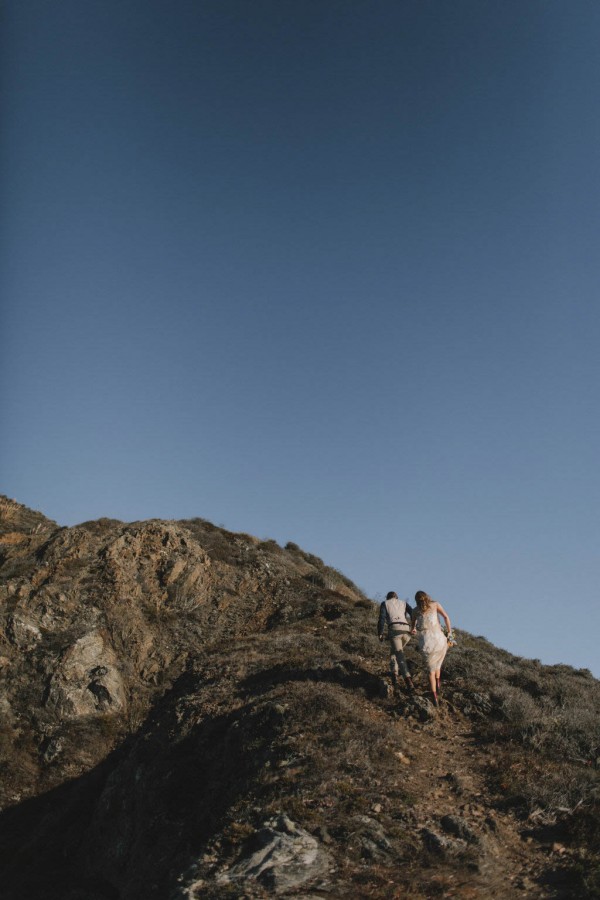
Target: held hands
{"x": 381, "y": 638}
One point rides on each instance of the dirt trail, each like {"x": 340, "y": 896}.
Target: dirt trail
{"x": 447, "y": 775}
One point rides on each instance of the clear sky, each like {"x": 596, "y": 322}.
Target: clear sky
{"x": 321, "y": 270}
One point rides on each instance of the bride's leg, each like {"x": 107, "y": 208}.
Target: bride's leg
{"x": 432, "y": 683}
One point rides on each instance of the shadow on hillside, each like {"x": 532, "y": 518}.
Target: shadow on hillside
{"x": 344, "y": 674}
{"x": 40, "y": 837}
{"x": 126, "y": 828}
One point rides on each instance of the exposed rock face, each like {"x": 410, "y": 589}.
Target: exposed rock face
{"x": 98, "y": 622}
{"x": 87, "y": 681}
{"x": 283, "y": 856}
{"x": 191, "y": 713}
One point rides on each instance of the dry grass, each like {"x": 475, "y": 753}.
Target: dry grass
{"x": 279, "y": 708}
{"x": 544, "y": 723}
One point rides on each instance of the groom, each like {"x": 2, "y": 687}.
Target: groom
{"x": 399, "y": 618}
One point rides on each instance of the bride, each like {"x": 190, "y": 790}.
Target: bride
{"x": 432, "y": 640}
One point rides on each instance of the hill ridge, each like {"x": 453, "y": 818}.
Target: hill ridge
{"x": 191, "y": 712}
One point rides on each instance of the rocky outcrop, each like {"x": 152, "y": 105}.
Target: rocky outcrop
{"x": 87, "y": 681}
{"x": 97, "y": 623}
{"x": 282, "y": 857}
{"x": 186, "y": 712}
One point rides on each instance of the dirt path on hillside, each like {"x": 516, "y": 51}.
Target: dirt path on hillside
{"x": 447, "y": 771}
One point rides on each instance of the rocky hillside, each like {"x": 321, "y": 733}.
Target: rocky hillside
{"x": 191, "y": 713}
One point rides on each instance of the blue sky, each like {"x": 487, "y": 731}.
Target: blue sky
{"x": 324, "y": 272}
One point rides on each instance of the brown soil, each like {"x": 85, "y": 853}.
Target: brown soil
{"x": 166, "y": 688}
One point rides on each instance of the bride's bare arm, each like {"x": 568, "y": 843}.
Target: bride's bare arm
{"x": 444, "y": 616}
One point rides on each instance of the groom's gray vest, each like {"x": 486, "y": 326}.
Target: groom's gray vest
{"x": 397, "y": 614}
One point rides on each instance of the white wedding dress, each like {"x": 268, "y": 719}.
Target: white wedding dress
{"x": 432, "y": 640}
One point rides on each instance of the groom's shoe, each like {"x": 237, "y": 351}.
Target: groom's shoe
{"x": 409, "y": 684}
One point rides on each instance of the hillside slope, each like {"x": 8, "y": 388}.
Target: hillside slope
{"x": 191, "y": 713}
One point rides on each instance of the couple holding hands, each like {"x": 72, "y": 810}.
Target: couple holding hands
{"x": 403, "y": 621}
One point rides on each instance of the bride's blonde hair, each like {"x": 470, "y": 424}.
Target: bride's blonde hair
{"x": 423, "y": 601}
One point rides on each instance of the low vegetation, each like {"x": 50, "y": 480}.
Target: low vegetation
{"x": 167, "y": 688}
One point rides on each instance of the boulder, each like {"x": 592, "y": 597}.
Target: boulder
{"x": 441, "y": 845}
{"x": 282, "y": 856}
{"x": 459, "y": 827}
{"x": 87, "y": 681}
{"x": 368, "y": 833}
